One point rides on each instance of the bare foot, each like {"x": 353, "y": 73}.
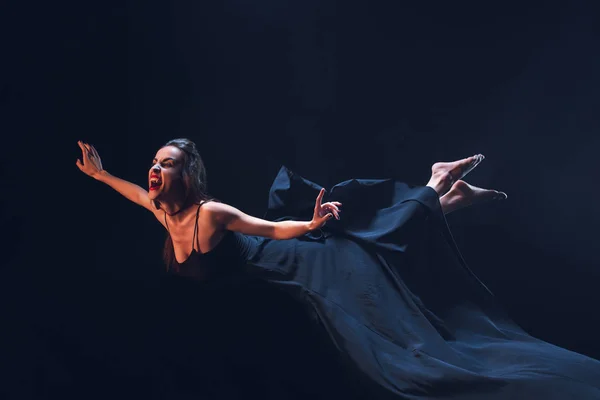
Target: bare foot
{"x": 463, "y": 195}
{"x": 444, "y": 174}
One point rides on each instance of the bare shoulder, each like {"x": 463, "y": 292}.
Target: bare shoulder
{"x": 214, "y": 206}
{"x": 218, "y": 211}
{"x": 222, "y": 215}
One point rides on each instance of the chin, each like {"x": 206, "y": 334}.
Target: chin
{"x": 153, "y": 194}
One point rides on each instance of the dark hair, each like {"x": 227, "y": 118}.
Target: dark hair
{"x": 194, "y": 180}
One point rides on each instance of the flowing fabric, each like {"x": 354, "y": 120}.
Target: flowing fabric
{"x": 397, "y": 303}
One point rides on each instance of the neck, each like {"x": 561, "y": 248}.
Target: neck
{"x": 173, "y": 208}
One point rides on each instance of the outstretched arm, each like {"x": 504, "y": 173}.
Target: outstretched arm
{"x": 92, "y": 166}
{"x": 230, "y": 218}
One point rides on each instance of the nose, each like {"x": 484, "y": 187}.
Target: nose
{"x": 155, "y": 169}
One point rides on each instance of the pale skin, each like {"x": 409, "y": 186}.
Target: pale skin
{"x": 454, "y": 192}
{"x": 215, "y": 218}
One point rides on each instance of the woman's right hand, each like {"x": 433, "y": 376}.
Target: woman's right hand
{"x": 91, "y": 165}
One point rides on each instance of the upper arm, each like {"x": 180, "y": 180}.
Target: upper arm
{"x": 230, "y": 218}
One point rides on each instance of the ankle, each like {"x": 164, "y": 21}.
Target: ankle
{"x": 440, "y": 182}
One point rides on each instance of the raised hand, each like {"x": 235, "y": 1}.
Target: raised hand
{"x": 91, "y": 165}
{"x": 324, "y": 211}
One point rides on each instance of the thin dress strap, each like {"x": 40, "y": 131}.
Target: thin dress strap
{"x": 196, "y": 227}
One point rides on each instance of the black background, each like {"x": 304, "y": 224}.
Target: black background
{"x": 331, "y": 89}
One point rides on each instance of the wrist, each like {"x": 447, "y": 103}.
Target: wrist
{"x": 100, "y": 175}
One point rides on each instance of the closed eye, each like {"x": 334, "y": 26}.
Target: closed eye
{"x": 165, "y": 163}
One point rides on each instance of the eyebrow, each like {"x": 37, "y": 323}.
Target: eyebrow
{"x": 164, "y": 159}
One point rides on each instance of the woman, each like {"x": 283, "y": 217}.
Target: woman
{"x": 386, "y": 283}
{"x": 176, "y": 183}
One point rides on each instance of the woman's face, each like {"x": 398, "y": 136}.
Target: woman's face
{"x": 165, "y": 178}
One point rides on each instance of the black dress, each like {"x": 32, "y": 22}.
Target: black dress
{"x": 389, "y": 299}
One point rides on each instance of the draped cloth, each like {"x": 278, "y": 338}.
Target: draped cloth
{"x": 391, "y": 293}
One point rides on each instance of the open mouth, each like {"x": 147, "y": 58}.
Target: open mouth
{"x": 155, "y": 183}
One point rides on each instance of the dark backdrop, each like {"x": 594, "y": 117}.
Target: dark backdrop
{"x": 332, "y": 90}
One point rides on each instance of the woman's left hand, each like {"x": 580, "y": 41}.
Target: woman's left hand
{"x": 324, "y": 211}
